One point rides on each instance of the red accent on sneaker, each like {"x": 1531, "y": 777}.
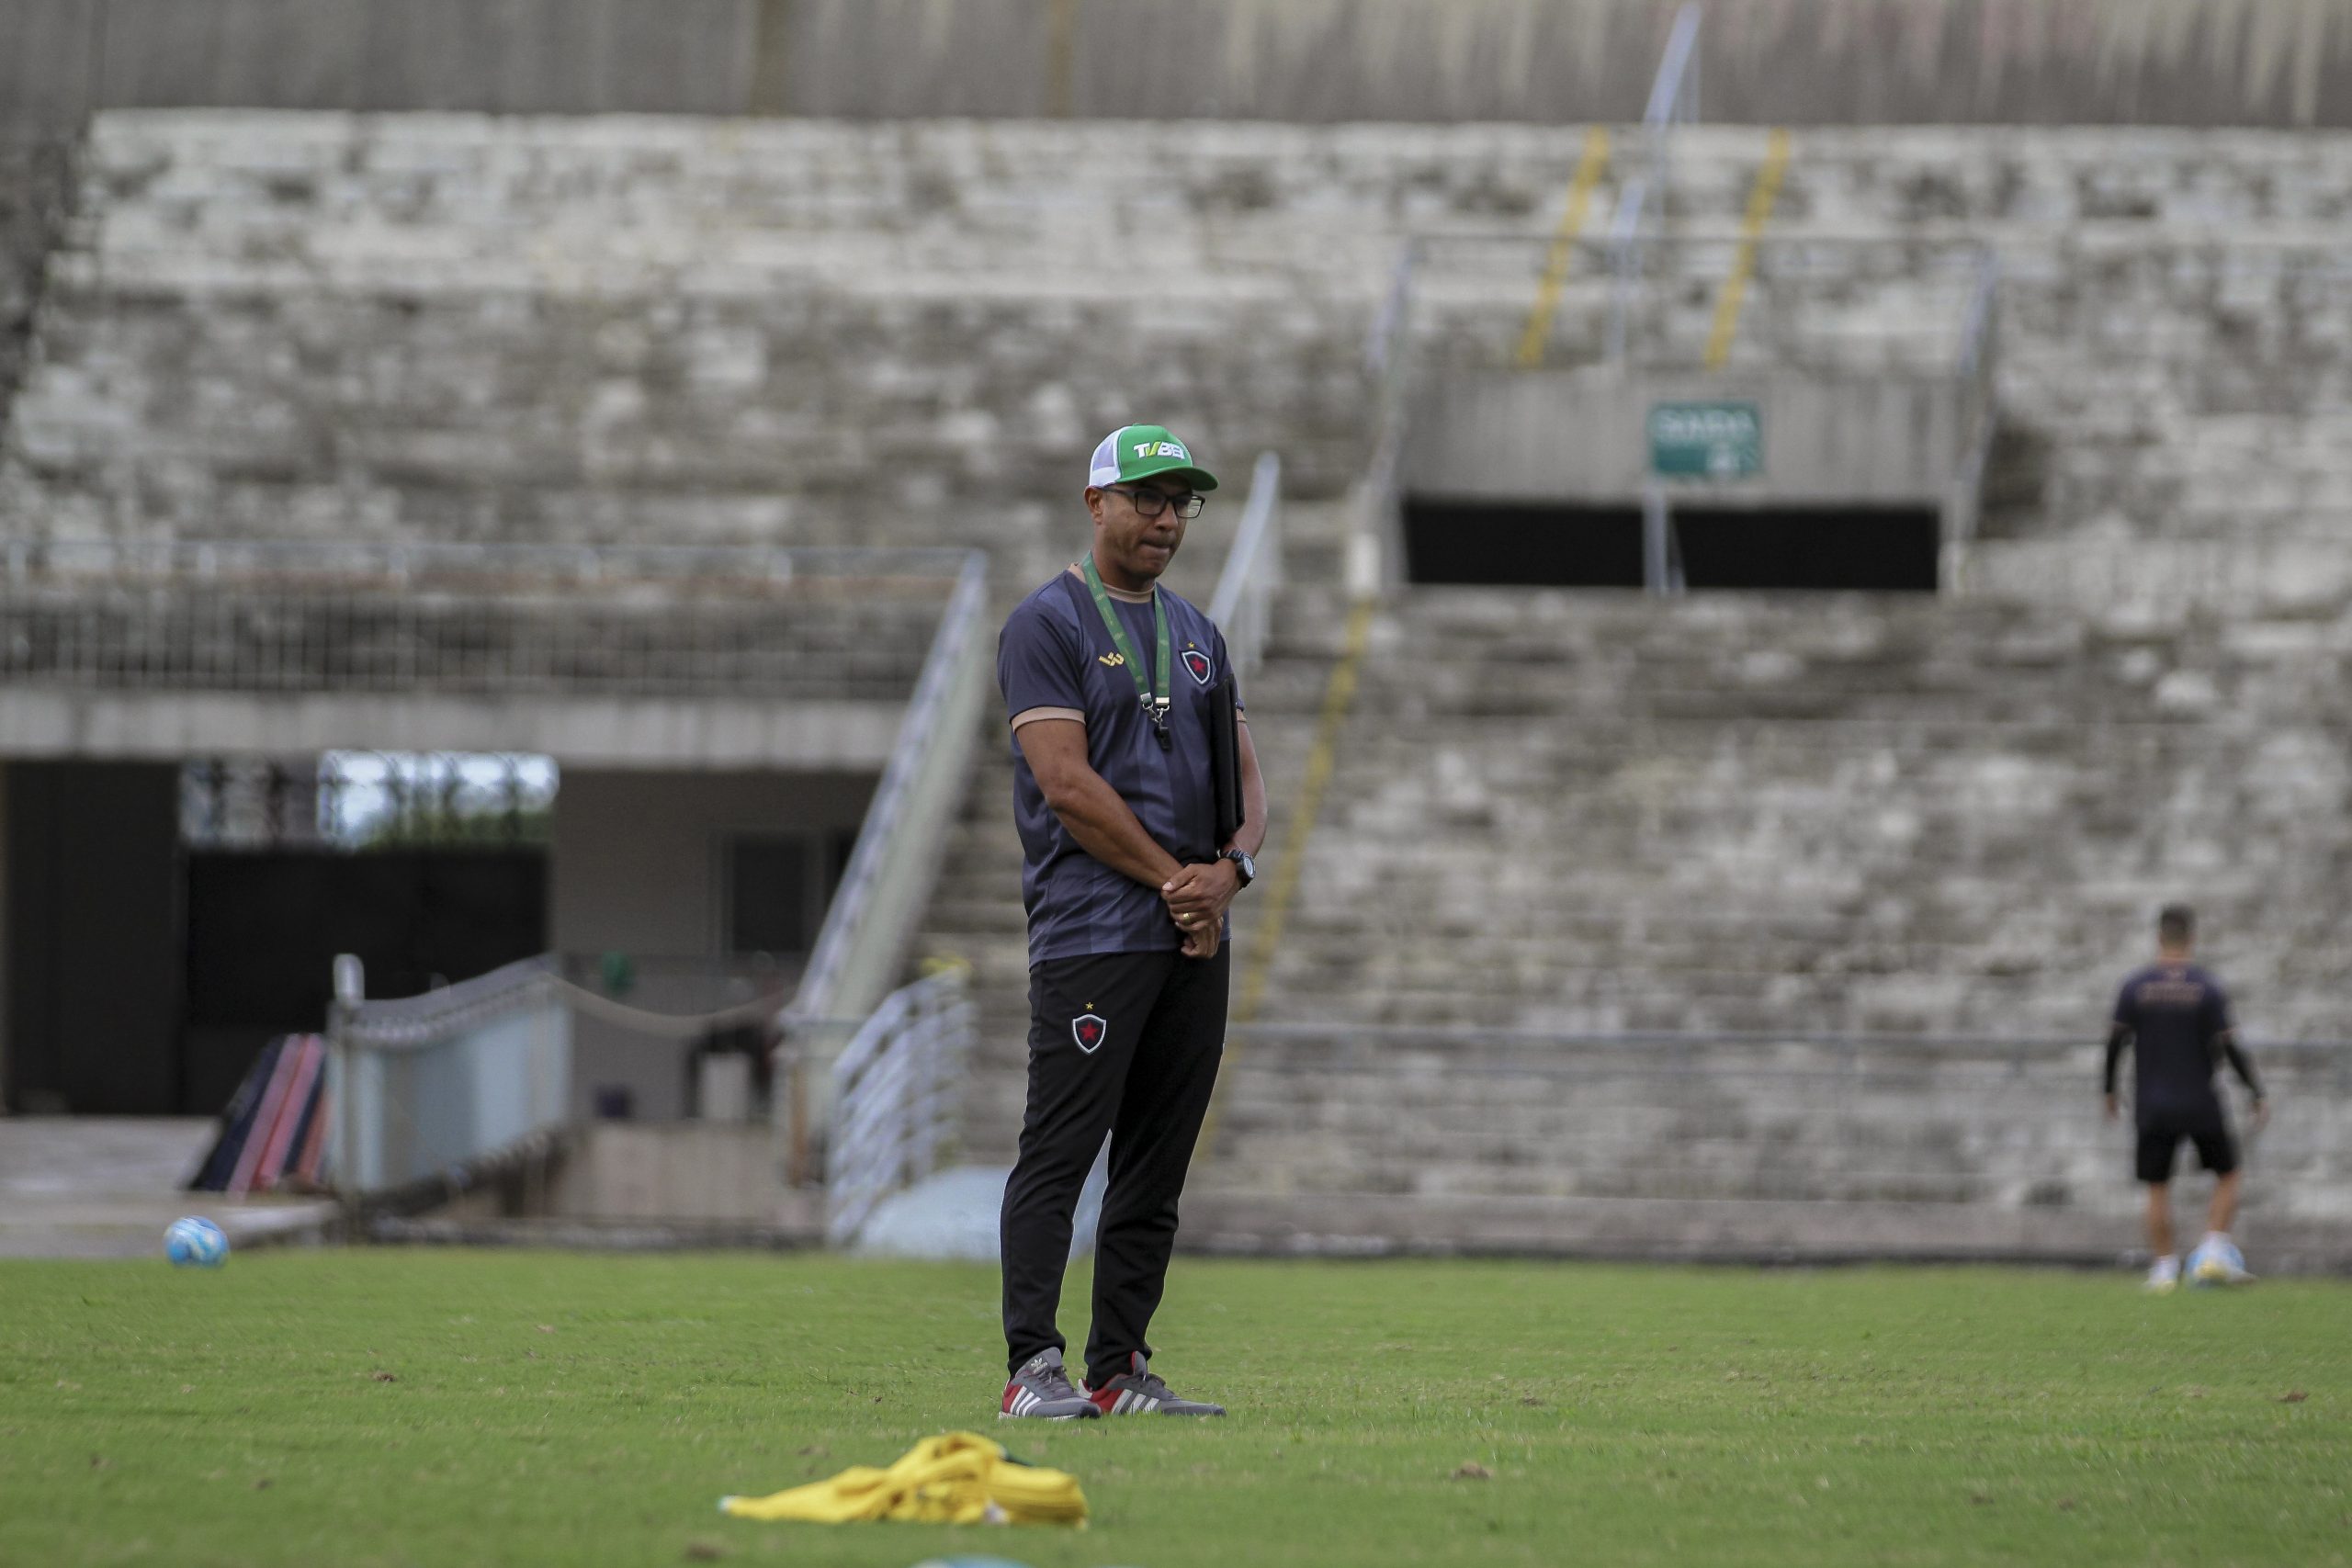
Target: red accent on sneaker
{"x": 1010, "y": 1390}
{"x": 1106, "y": 1399}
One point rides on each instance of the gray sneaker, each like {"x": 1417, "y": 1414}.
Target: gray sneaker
{"x": 1042, "y": 1390}
{"x": 1140, "y": 1390}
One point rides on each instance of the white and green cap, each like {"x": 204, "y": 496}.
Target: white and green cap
{"x": 1138, "y": 451}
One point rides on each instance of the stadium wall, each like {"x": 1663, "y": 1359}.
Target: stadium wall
{"x": 35, "y": 179}
{"x": 2200, "y": 62}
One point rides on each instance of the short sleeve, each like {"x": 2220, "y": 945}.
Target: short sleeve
{"x": 1224, "y": 662}
{"x": 1036, "y": 664}
{"x": 2126, "y": 1006}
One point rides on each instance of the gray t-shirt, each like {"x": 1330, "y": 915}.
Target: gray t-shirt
{"x": 1056, "y": 658}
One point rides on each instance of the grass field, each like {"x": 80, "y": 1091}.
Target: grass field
{"x": 390, "y": 1406}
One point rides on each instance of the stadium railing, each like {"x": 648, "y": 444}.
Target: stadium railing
{"x": 863, "y": 941}
{"x": 1978, "y": 345}
{"x": 278, "y": 616}
{"x": 1673, "y": 100}
{"x": 423, "y": 1087}
{"x": 428, "y": 1092}
{"x": 1242, "y": 605}
{"x": 896, "y": 1088}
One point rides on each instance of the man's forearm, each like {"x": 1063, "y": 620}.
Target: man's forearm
{"x": 2116, "y": 1037}
{"x": 1106, "y": 827}
{"x": 2242, "y": 1064}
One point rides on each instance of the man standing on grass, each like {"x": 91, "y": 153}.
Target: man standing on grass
{"x": 2177, "y": 1021}
{"x": 1109, "y": 683}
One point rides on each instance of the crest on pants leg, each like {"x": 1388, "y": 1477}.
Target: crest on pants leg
{"x": 1088, "y": 1029}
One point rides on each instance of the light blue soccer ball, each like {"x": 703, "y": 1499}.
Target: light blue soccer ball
{"x": 2216, "y": 1263}
{"x": 194, "y": 1242}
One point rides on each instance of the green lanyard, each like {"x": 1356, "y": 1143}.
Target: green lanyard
{"x": 1152, "y": 694}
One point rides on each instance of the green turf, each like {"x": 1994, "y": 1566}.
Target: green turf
{"x": 390, "y": 1406}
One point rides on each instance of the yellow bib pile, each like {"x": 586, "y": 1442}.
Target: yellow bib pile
{"x": 958, "y": 1478}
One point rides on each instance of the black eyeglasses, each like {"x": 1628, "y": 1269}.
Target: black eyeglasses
{"x": 1152, "y": 502}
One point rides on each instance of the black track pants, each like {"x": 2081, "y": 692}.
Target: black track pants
{"x": 1125, "y": 1044}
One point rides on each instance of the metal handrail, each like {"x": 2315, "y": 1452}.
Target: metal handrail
{"x": 1674, "y": 99}
{"x": 408, "y": 1023}
{"x": 1242, "y": 608}
{"x": 894, "y": 1097}
{"x": 433, "y": 1083}
{"x": 1388, "y": 362}
{"x": 1975, "y": 376}
{"x": 436, "y": 1081}
{"x": 1976, "y": 327}
{"x": 1386, "y": 337}
{"x": 1681, "y": 55}
{"x": 853, "y": 955}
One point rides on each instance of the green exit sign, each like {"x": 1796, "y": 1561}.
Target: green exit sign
{"x": 1717, "y": 441}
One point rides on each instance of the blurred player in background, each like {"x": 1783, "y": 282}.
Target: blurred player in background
{"x": 2176, "y": 1020}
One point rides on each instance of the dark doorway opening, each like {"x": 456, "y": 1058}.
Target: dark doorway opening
{"x": 90, "y": 869}
{"x": 1538, "y": 545}
{"x": 1882, "y": 548}
{"x": 264, "y": 928}
{"x": 1523, "y": 544}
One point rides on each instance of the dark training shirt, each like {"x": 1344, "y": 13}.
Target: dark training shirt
{"x": 1055, "y": 655}
{"x": 2176, "y": 1018}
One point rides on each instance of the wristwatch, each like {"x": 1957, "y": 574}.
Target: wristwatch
{"x": 1242, "y": 863}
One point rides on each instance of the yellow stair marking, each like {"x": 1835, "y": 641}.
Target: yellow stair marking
{"x": 1337, "y": 694}
{"x": 1759, "y": 211}
{"x": 1563, "y": 248}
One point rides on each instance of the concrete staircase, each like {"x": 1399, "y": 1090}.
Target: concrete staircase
{"x": 457, "y": 327}
{"x": 1564, "y": 829}
{"x": 1585, "y": 814}
{"x": 1570, "y": 837}
{"x": 1596, "y": 813}
{"x": 2175, "y": 313}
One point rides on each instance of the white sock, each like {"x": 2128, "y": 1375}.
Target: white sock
{"x": 2211, "y": 1237}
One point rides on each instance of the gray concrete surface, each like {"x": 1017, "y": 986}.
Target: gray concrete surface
{"x": 107, "y": 1187}
{"x": 2183, "y": 62}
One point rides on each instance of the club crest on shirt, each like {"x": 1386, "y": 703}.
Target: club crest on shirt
{"x": 1196, "y": 665}
{"x": 1089, "y": 1029}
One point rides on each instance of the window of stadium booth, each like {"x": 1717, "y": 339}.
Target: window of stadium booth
{"x": 1576, "y": 545}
